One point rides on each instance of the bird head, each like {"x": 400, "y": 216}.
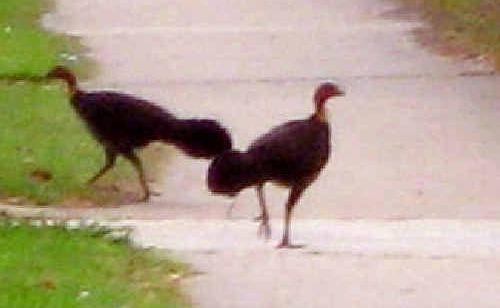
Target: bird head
{"x": 322, "y": 94}
{"x": 327, "y": 90}
{"x": 60, "y": 72}
{"x": 228, "y": 173}
{"x": 63, "y": 73}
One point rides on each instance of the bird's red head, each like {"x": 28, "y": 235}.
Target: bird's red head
{"x": 63, "y": 73}
{"x": 327, "y": 90}
{"x": 322, "y": 94}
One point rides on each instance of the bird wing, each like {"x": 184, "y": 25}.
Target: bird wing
{"x": 292, "y": 151}
{"x": 122, "y": 118}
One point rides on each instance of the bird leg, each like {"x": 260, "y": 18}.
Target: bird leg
{"x": 264, "y": 228}
{"x": 294, "y": 196}
{"x": 138, "y": 166}
{"x": 262, "y": 203}
{"x": 110, "y": 162}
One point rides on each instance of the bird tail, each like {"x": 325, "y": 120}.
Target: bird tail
{"x": 200, "y": 138}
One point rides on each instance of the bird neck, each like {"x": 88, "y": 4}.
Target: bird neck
{"x": 71, "y": 83}
{"x": 72, "y": 88}
{"x": 320, "y": 114}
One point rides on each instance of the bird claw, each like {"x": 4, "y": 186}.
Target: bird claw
{"x": 287, "y": 245}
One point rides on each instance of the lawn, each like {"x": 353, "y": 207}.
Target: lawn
{"x": 55, "y": 267}
{"x": 46, "y": 156}
{"x": 46, "y": 153}
{"x": 29, "y": 50}
{"x": 22, "y": 12}
{"x": 467, "y": 27}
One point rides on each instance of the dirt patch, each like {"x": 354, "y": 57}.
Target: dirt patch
{"x": 41, "y": 176}
{"x": 106, "y": 195}
{"x": 438, "y": 42}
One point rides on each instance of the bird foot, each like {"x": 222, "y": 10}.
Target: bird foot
{"x": 155, "y": 193}
{"x": 265, "y": 229}
{"x": 287, "y": 245}
{"x": 258, "y": 218}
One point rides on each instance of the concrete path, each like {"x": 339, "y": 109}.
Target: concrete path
{"x": 360, "y": 263}
{"x": 416, "y": 137}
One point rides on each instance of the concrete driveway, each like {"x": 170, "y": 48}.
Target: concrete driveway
{"x": 415, "y": 138}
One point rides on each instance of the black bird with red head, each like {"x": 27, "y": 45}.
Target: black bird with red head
{"x": 291, "y": 154}
{"x": 123, "y": 123}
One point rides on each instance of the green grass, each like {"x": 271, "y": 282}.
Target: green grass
{"x": 22, "y": 12}
{"x": 29, "y": 50}
{"x": 470, "y": 27}
{"x": 39, "y": 132}
{"x": 46, "y": 155}
{"x": 54, "y": 267}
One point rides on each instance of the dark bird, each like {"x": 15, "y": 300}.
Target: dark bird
{"x": 123, "y": 123}
{"x": 291, "y": 155}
